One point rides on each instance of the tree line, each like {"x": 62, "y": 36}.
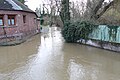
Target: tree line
{"x": 91, "y": 10}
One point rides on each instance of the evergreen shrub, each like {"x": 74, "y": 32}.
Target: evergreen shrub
{"x": 74, "y": 31}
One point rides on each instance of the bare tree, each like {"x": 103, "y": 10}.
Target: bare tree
{"x": 91, "y": 10}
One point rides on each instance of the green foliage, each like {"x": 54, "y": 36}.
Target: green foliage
{"x": 77, "y": 30}
{"x": 68, "y": 33}
{"x": 22, "y": 1}
{"x": 113, "y": 31}
{"x": 41, "y": 21}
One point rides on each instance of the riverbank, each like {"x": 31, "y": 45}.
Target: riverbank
{"x": 16, "y": 39}
{"x": 102, "y": 44}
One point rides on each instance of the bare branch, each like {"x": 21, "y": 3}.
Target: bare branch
{"x": 98, "y": 6}
{"x": 105, "y": 9}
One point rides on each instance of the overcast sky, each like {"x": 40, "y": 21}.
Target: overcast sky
{"x": 32, "y": 4}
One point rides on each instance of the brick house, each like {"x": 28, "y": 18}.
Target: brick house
{"x": 16, "y": 19}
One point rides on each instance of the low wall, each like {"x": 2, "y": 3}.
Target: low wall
{"x": 102, "y": 44}
{"x": 17, "y": 38}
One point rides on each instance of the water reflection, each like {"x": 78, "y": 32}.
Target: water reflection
{"x": 91, "y": 63}
{"x": 47, "y": 57}
{"x": 14, "y": 58}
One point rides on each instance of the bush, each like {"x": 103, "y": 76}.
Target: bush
{"x": 77, "y": 30}
{"x": 68, "y": 33}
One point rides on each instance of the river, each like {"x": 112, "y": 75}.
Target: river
{"x": 47, "y": 57}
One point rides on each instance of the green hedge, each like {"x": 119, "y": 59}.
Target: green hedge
{"x": 77, "y": 30}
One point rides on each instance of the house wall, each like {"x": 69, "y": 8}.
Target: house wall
{"x": 28, "y": 28}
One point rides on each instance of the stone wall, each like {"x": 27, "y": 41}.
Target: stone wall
{"x": 102, "y": 44}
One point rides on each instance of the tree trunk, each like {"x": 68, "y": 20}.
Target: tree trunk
{"x": 65, "y": 14}
{"x": 95, "y": 14}
{"x": 105, "y": 9}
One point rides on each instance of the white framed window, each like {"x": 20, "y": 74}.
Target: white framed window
{"x": 11, "y": 20}
{"x": 1, "y": 20}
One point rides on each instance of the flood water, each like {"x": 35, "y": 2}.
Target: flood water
{"x": 47, "y": 57}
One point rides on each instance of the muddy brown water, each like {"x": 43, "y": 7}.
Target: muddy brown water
{"x": 47, "y": 57}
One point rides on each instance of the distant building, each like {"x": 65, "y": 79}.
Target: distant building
{"x": 16, "y": 19}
